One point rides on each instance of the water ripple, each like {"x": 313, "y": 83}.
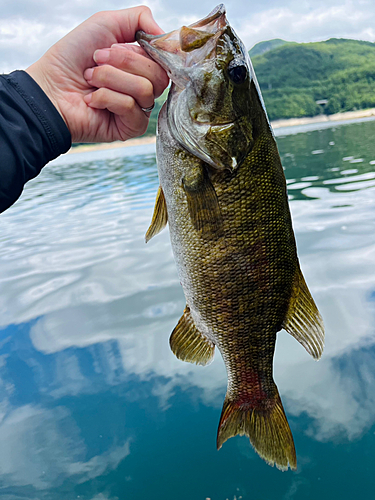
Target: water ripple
{"x": 86, "y": 310}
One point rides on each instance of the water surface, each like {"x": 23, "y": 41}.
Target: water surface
{"x": 94, "y": 405}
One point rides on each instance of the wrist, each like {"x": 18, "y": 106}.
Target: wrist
{"x": 39, "y": 77}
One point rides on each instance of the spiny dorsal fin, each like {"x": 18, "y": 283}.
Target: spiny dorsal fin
{"x": 160, "y": 216}
{"x": 303, "y": 320}
{"x": 202, "y": 202}
{"x": 264, "y": 423}
{"x": 188, "y": 344}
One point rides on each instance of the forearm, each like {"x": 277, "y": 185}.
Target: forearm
{"x": 32, "y": 133}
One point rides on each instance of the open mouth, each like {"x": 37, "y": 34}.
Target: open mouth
{"x": 173, "y": 50}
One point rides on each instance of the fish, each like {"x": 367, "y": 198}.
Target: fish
{"x": 223, "y": 195}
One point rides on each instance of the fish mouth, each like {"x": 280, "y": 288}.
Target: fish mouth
{"x": 200, "y": 113}
{"x": 187, "y": 46}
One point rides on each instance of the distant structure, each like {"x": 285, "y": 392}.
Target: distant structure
{"x": 322, "y": 103}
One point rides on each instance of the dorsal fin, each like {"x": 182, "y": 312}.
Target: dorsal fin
{"x": 303, "y": 320}
{"x": 160, "y": 216}
{"x": 189, "y": 344}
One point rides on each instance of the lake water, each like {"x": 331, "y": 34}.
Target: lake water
{"x": 94, "y": 405}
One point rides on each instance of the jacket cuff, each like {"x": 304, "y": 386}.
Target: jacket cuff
{"x": 55, "y": 128}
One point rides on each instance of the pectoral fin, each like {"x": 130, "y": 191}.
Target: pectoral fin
{"x": 188, "y": 344}
{"x": 202, "y": 201}
{"x": 303, "y": 320}
{"x": 160, "y": 216}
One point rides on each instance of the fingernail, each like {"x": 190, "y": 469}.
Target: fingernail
{"x": 101, "y": 56}
{"x": 88, "y": 73}
{"x": 87, "y": 98}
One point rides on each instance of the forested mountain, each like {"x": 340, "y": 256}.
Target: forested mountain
{"x": 294, "y": 76}
{"x": 263, "y": 47}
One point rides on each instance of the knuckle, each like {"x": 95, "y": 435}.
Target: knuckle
{"x": 124, "y": 56}
{"x": 128, "y": 105}
{"x": 101, "y": 74}
{"x": 145, "y": 88}
{"x": 99, "y": 17}
{"x": 95, "y": 16}
{"x": 145, "y": 10}
{"x": 161, "y": 86}
{"x": 106, "y": 15}
{"x": 99, "y": 96}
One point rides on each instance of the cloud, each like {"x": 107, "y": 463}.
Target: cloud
{"x": 99, "y": 464}
{"x": 29, "y": 27}
{"x": 310, "y": 22}
{"x": 24, "y": 41}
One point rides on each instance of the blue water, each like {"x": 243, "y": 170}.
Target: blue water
{"x": 93, "y": 404}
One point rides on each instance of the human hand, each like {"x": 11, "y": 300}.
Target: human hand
{"x": 100, "y": 93}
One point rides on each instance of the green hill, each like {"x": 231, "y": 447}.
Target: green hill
{"x": 294, "y": 76}
{"x": 263, "y": 47}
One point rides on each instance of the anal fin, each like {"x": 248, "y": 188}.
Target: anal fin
{"x": 303, "y": 320}
{"x": 188, "y": 344}
{"x": 160, "y": 216}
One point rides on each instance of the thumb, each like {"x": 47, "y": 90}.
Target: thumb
{"x": 126, "y": 22}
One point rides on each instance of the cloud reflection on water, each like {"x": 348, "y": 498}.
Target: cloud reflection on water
{"x": 43, "y": 447}
{"x": 83, "y": 271}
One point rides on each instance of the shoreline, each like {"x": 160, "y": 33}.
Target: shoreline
{"x": 290, "y": 122}
{"x": 337, "y": 117}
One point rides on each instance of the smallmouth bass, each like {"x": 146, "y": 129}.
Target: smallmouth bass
{"x": 223, "y": 193}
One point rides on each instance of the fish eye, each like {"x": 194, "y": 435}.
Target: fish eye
{"x": 237, "y": 73}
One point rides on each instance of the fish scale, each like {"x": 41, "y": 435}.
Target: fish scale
{"x": 223, "y": 193}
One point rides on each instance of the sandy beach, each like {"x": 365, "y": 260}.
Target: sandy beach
{"x": 113, "y": 145}
{"x": 291, "y": 122}
{"x": 338, "y": 117}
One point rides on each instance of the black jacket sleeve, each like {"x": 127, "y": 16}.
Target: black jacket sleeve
{"x": 32, "y": 133}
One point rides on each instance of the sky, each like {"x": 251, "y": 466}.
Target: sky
{"x": 29, "y": 27}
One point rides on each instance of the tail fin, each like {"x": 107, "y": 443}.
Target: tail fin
{"x": 266, "y": 426}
